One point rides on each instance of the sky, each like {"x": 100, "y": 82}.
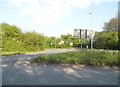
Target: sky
{"x": 56, "y": 17}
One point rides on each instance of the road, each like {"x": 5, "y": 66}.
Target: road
{"x": 16, "y": 70}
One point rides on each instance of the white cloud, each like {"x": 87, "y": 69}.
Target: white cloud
{"x": 49, "y": 11}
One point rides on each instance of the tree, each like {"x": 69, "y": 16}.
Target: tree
{"x": 10, "y": 31}
{"x": 76, "y": 42}
{"x": 51, "y": 42}
{"x": 13, "y": 39}
{"x": 67, "y": 38}
{"x": 112, "y": 25}
{"x": 106, "y": 40}
{"x": 34, "y": 41}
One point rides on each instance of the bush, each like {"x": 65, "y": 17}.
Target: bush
{"x": 100, "y": 58}
{"x": 14, "y": 40}
{"x": 106, "y": 40}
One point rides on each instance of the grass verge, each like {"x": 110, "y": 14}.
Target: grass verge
{"x": 90, "y": 57}
{"x": 18, "y": 53}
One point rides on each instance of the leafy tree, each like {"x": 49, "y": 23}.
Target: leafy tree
{"x": 10, "y": 31}
{"x": 67, "y": 38}
{"x": 106, "y": 40}
{"x": 34, "y": 41}
{"x": 50, "y": 43}
{"x": 112, "y": 25}
{"x": 13, "y": 39}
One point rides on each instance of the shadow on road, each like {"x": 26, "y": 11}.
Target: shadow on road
{"x": 26, "y": 74}
{"x": 16, "y": 70}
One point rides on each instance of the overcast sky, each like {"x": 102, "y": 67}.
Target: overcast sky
{"x": 56, "y": 17}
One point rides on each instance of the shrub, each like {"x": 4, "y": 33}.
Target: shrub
{"x": 101, "y": 58}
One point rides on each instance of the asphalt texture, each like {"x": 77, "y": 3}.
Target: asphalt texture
{"x": 17, "y": 70}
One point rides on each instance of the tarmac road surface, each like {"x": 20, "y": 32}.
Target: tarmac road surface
{"x": 16, "y": 70}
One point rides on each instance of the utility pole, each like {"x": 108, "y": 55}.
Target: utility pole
{"x": 91, "y": 29}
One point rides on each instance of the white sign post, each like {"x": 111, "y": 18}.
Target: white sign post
{"x": 91, "y": 35}
{"x": 81, "y": 33}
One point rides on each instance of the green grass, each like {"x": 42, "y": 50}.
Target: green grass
{"x": 90, "y": 57}
{"x": 11, "y": 53}
{"x": 18, "y": 53}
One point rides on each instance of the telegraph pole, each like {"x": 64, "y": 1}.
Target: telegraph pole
{"x": 91, "y": 29}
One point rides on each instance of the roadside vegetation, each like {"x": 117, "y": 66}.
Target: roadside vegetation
{"x": 89, "y": 57}
{"x": 15, "y": 41}
{"x": 21, "y": 52}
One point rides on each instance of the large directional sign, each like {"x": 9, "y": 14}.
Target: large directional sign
{"x": 90, "y": 33}
{"x": 81, "y": 33}
{"x": 77, "y": 33}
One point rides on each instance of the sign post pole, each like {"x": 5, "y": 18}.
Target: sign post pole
{"x": 91, "y": 44}
{"x": 87, "y": 34}
{"x": 86, "y": 38}
{"x": 80, "y": 39}
{"x": 81, "y": 43}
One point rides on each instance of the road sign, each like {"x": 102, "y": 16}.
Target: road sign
{"x": 90, "y": 33}
{"x": 77, "y": 33}
{"x": 81, "y": 33}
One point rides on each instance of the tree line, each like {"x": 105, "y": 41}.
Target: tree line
{"x": 13, "y": 39}
{"x": 108, "y": 38}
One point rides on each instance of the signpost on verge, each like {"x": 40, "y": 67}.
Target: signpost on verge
{"x": 82, "y": 35}
{"x": 88, "y": 34}
{"x": 79, "y": 33}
